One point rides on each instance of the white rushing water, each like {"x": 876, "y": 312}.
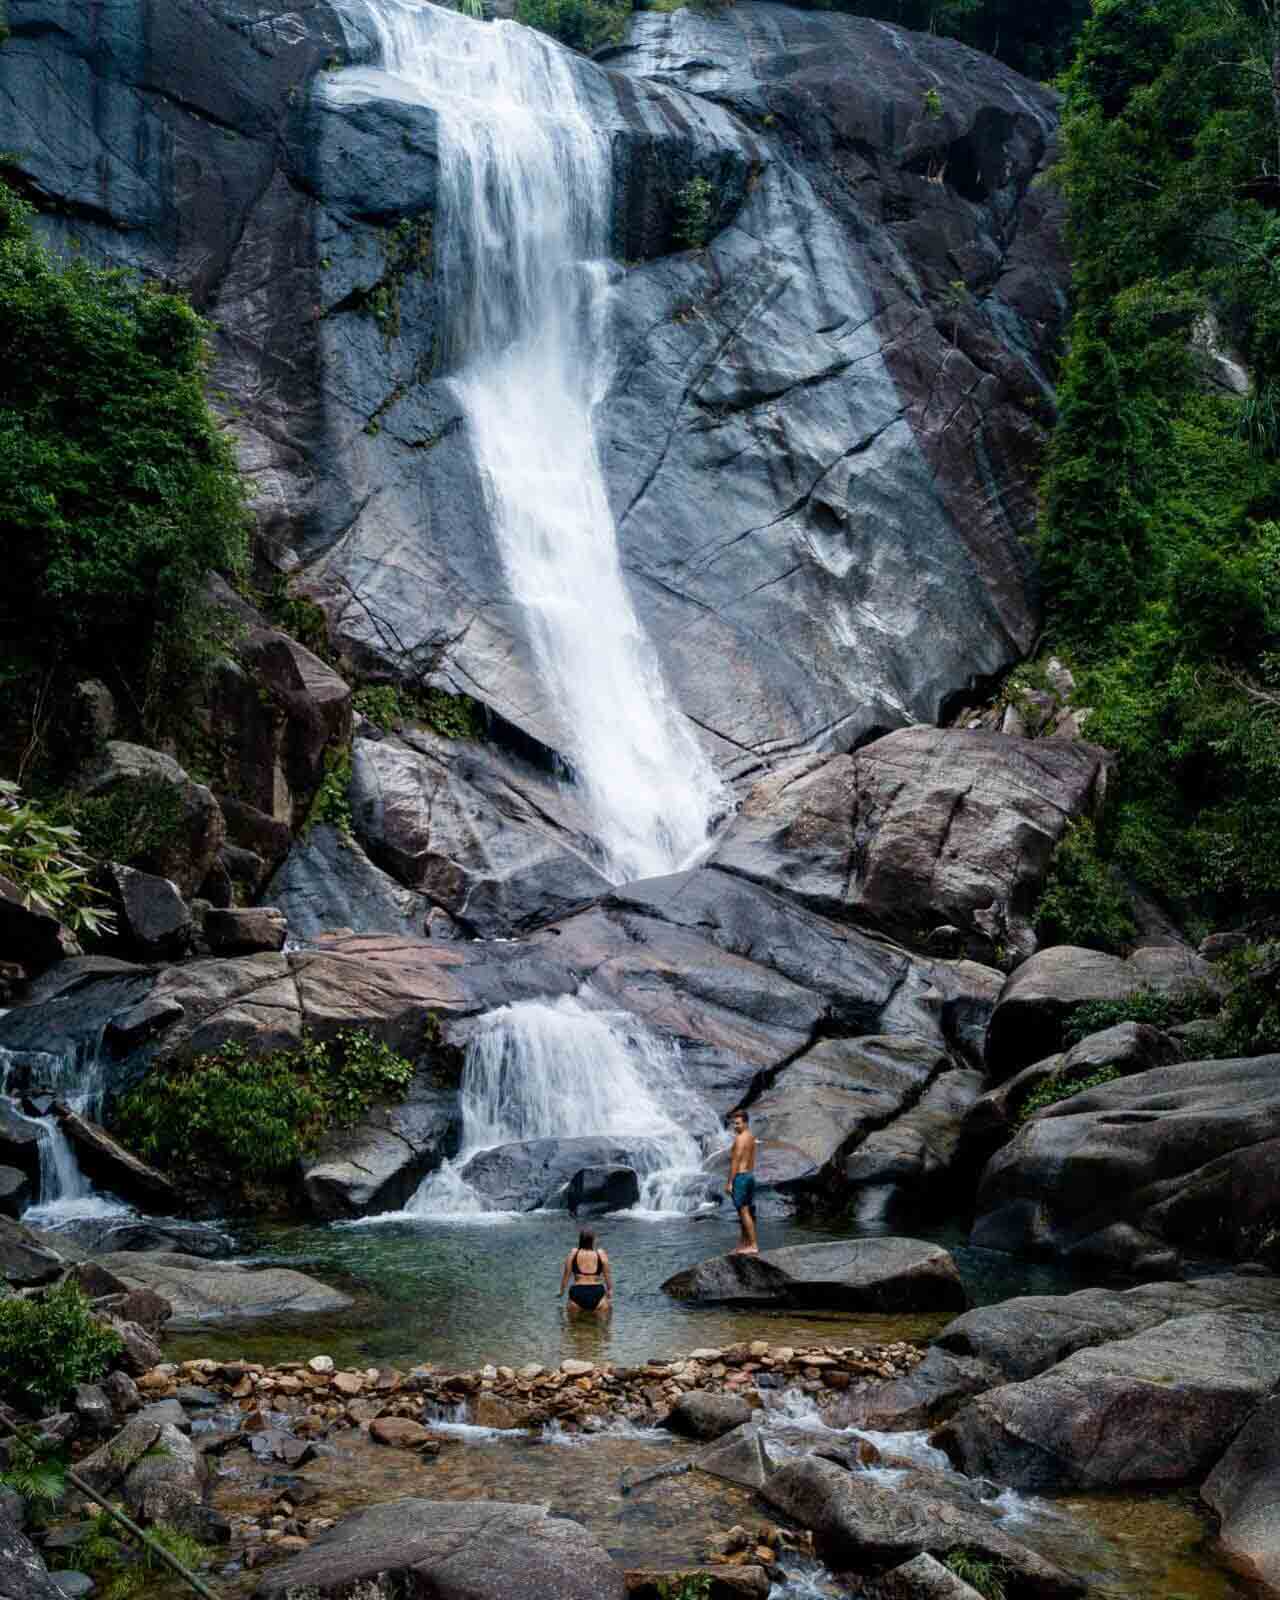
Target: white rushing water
{"x": 553, "y": 1069}
{"x": 77, "y": 1082}
{"x": 521, "y": 247}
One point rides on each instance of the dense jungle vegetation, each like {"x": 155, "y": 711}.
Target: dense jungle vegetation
{"x": 1161, "y": 544}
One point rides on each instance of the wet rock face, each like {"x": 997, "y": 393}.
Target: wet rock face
{"x": 23, "y": 1575}
{"x": 1244, "y": 1490}
{"x": 1157, "y": 1408}
{"x": 858, "y": 1275}
{"x": 926, "y": 827}
{"x": 820, "y": 453}
{"x": 1181, "y": 1156}
{"x": 456, "y": 1550}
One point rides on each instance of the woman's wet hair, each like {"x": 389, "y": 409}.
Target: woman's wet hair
{"x": 586, "y": 1240}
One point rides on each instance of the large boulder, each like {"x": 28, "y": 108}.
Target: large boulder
{"x": 535, "y": 1173}
{"x": 23, "y": 1575}
{"x": 153, "y": 921}
{"x": 16, "y": 1192}
{"x": 20, "y": 1143}
{"x": 1037, "y": 1002}
{"x": 328, "y": 883}
{"x": 747, "y": 1456}
{"x": 824, "y": 1105}
{"x": 166, "y": 1484}
{"x": 707, "y": 1416}
{"x": 189, "y": 848}
{"x": 245, "y": 930}
{"x": 218, "y": 1291}
{"x": 110, "y": 1166}
{"x": 925, "y": 827}
{"x": 26, "y": 1259}
{"x": 376, "y": 1165}
{"x": 860, "y": 1523}
{"x": 1022, "y": 1337}
{"x": 925, "y": 1396}
{"x": 595, "y": 1191}
{"x": 1244, "y": 1490}
{"x": 451, "y": 1550}
{"x": 1183, "y": 1155}
{"x": 855, "y": 1275}
{"x": 914, "y": 1157}
{"x": 31, "y": 938}
{"x": 1157, "y": 1408}
{"x": 490, "y": 839}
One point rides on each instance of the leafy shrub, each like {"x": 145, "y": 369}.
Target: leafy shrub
{"x": 1081, "y": 902}
{"x": 118, "y": 487}
{"x": 50, "y": 1343}
{"x": 585, "y": 25}
{"x": 249, "y": 1116}
{"x": 452, "y": 716}
{"x": 1143, "y": 1005}
{"x": 690, "y": 1586}
{"x": 37, "y": 1469}
{"x": 979, "y": 1572}
{"x": 1050, "y": 1093}
{"x": 123, "y": 1570}
{"x": 131, "y": 823}
{"x": 46, "y": 862}
{"x": 695, "y": 213}
{"x": 1250, "y": 1020}
{"x": 332, "y": 803}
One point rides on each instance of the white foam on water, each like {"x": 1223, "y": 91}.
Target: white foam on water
{"x": 555, "y": 1069}
{"x": 521, "y": 247}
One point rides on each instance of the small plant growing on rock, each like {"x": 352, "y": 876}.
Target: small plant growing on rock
{"x": 36, "y": 1469}
{"x": 1143, "y": 1005}
{"x": 932, "y": 104}
{"x": 50, "y": 1343}
{"x": 332, "y": 803}
{"x": 1049, "y": 1094}
{"x": 979, "y": 1572}
{"x": 47, "y": 864}
{"x": 695, "y": 213}
{"x": 688, "y": 1586}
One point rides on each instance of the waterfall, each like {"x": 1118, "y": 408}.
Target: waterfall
{"x": 521, "y": 246}
{"x": 553, "y": 1069}
{"x": 77, "y": 1081}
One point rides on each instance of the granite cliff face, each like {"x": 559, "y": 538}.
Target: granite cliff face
{"x": 821, "y": 432}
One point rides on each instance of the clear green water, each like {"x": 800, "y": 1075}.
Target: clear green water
{"x": 461, "y": 1293}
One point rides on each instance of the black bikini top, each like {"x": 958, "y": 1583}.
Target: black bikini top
{"x": 577, "y": 1270}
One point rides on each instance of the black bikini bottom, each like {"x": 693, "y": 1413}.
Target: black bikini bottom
{"x": 587, "y": 1295}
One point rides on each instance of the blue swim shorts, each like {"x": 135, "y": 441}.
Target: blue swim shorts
{"x": 744, "y": 1191}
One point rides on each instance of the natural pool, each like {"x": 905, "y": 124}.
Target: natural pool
{"x": 459, "y": 1293}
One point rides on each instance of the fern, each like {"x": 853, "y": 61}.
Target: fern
{"x": 36, "y": 1470}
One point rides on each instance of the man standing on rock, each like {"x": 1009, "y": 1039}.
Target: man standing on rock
{"x": 742, "y": 1183}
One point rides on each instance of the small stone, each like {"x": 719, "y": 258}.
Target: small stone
{"x": 783, "y": 1353}
{"x": 401, "y": 1432}
{"x": 349, "y": 1384}
{"x": 533, "y": 1370}
{"x": 321, "y": 1364}
{"x": 577, "y": 1369}
{"x": 758, "y": 1348}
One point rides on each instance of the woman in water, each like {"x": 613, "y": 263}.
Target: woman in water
{"x": 588, "y": 1266}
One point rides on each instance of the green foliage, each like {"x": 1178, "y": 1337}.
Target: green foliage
{"x": 132, "y": 823}
{"x": 46, "y": 861}
{"x": 1161, "y": 548}
{"x": 1143, "y": 1005}
{"x": 1036, "y": 39}
{"x": 1250, "y": 1020}
{"x": 127, "y": 1570}
{"x": 932, "y": 105}
{"x": 689, "y": 1586}
{"x": 1056, "y": 1089}
{"x": 452, "y": 716}
{"x": 300, "y": 618}
{"x": 979, "y": 1572}
{"x": 1081, "y": 902}
{"x": 37, "y": 1469}
{"x": 696, "y": 208}
{"x": 50, "y": 1343}
{"x": 332, "y": 803}
{"x": 585, "y": 25}
{"x": 471, "y": 8}
{"x": 257, "y": 1116}
{"x": 118, "y": 488}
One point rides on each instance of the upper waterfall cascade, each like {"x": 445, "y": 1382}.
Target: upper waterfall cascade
{"x": 522, "y": 261}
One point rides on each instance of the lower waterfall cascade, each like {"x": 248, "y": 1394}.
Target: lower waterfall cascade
{"x": 557, "y": 1070}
